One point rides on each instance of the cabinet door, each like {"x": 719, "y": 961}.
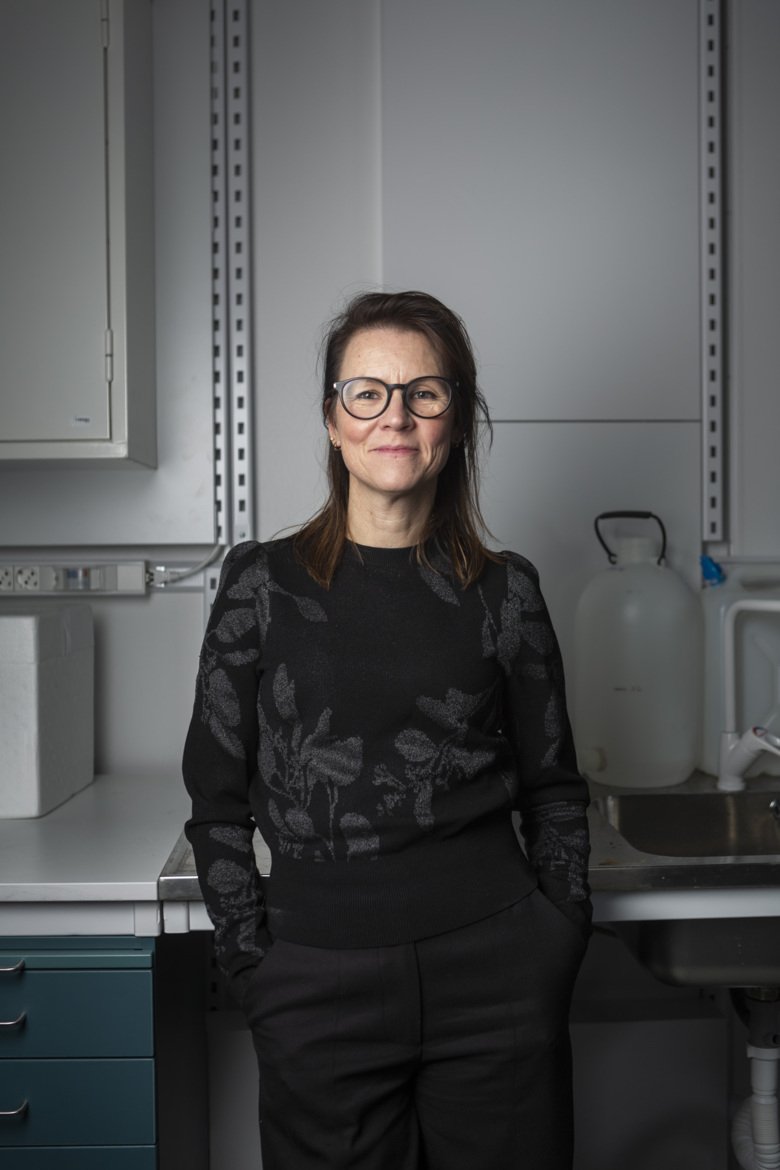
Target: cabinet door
{"x": 53, "y": 230}
{"x": 76, "y": 233}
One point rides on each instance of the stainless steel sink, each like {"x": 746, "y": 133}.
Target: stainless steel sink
{"x": 707, "y": 824}
{"x": 708, "y": 952}
{"x": 701, "y": 838}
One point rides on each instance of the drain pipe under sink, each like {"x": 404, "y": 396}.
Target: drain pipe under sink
{"x": 755, "y": 1133}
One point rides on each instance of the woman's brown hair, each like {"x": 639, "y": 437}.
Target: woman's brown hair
{"x": 455, "y": 524}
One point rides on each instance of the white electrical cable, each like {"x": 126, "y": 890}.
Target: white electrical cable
{"x": 159, "y": 576}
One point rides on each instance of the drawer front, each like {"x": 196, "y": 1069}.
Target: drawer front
{"x": 81, "y": 1158}
{"x": 89, "y": 953}
{"x": 76, "y": 1013}
{"x": 77, "y": 1103}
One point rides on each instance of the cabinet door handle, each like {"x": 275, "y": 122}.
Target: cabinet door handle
{"x": 11, "y": 1025}
{"x": 15, "y": 970}
{"x": 15, "y": 1113}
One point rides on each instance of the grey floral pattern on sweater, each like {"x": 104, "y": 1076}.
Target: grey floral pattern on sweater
{"x": 558, "y": 844}
{"x": 432, "y": 764}
{"x": 220, "y": 708}
{"x": 233, "y": 880}
{"x": 394, "y": 714}
{"x": 295, "y": 765}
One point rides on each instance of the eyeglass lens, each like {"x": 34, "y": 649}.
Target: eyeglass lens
{"x": 368, "y": 397}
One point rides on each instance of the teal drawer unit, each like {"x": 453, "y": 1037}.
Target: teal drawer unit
{"x": 81, "y": 1158}
{"x": 77, "y": 1072}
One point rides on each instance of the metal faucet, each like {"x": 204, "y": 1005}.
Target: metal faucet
{"x": 737, "y": 752}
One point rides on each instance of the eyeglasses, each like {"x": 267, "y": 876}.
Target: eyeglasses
{"x": 425, "y": 397}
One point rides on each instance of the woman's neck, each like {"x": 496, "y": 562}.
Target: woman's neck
{"x": 388, "y": 524}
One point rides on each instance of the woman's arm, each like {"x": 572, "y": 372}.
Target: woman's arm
{"x": 219, "y": 761}
{"x": 552, "y": 796}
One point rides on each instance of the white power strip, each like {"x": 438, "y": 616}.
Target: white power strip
{"x": 32, "y": 579}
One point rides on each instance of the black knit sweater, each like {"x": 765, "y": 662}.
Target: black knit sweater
{"x": 379, "y": 735}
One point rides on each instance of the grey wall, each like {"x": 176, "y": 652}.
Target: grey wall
{"x": 534, "y": 164}
{"x": 754, "y": 290}
{"x": 317, "y": 222}
{"x": 522, "y": 162}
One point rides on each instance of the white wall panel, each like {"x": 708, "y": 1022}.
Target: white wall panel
{"x": 146, "y": 659}
{"x": 540, "y": 174}
{"x": 316, "y": 223}
{"x": 545, "y": 483}
{"x": 754, "y": 177}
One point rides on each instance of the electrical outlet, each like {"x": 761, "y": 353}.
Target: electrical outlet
{"x": 63, "y": 577}
{"x": 28, "y": 579}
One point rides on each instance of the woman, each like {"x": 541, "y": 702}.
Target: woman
{"x": 376, "y": 694}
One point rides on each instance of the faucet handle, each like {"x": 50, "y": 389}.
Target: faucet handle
{"x": 738, "y": 753}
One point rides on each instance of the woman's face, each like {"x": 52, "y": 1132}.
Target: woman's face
{"x": 397, "y": 454}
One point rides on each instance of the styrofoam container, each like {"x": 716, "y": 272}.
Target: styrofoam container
{"x": 46, "y": 707}
{"x": 756, "y": 662}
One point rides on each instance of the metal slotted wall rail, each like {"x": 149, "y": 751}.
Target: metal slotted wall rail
{"x": 232, "y": 287}
{"x": 231, "y": 275}
{"x": 712, "y": 270}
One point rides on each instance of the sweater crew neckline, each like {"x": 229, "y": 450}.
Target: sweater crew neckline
{"x": 381, "y": 556}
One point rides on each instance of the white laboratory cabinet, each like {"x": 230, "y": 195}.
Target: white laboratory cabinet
{"x": 76, "y": 233}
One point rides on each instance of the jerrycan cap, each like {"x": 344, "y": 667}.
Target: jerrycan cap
{"x": 632, "y": 549}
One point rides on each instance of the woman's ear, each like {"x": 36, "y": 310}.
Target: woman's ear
{"x": 330, "y": 425}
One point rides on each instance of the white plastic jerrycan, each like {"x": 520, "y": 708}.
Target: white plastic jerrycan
{"x": 637, "y": 667}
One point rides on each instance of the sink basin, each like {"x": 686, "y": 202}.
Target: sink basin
{"x": 705, "y": 824}
{"x": 727, "y": 826}
{"x": 708, "y": 952}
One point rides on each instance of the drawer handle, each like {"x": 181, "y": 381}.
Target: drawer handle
{"x": 12, "y": 1025}
{"x": 15, "y": 970}
{"x": 15, "y": 1113}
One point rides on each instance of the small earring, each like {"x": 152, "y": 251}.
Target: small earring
{"x": 336, "y": 446}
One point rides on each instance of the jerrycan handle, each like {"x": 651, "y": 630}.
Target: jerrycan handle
{"x": 633, "y": 516}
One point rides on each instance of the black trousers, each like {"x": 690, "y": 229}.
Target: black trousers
{"x": 450, "y": 1053}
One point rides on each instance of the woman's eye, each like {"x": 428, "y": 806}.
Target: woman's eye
{"x": 428, "y": 390}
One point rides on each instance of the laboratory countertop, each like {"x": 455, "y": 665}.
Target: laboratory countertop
{"x": 109, "y": 842}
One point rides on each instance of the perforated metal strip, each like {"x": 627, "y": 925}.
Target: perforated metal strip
{"x": 231, "y": 277}
{"x": 219, "y": 260}
{"x": 712, "y": 325}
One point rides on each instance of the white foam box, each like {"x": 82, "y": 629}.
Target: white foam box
{"x": 46, "y": 707}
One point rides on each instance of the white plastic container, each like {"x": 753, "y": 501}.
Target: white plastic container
{"x": 638, "y": 672}
{"x": 756, "y": 660}
{"x": 46, "y": 707}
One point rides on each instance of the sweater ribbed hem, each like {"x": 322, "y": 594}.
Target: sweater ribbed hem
{"x": 436, "y": 887}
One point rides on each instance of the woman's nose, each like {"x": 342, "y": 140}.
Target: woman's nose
{"x": 397, "y": 413}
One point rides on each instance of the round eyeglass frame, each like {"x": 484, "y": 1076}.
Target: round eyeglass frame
{"x": 404, "y": 387}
